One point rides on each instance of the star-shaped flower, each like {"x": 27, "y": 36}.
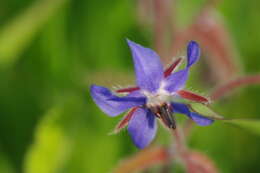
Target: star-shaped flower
{"x": 156, "y": 95}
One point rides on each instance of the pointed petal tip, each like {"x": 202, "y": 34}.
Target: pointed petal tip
{"x": 100, "y": 95}
{"x": 192, "y": 42}
{"x": 128, "y": 40}
{"x": 93, "y": 89}
{"x": 141, "y": 146}
{"x": 193, "y": 52}
{"x": 197, "y": 118}
{"x": 148, "y": 67}
{"x": 135, "y": 46}
{"x": 92, "y": 86}
{"x": 131, "y": 43}
{"x": 111, "y": 104}
{"x": 200, "y": 120}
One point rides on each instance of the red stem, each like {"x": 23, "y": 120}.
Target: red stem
{"x": 143, "y": 160}
{"x": 237, "y": 83}
{"x": 159, "y": 20}
{"x": 181, "y": 148}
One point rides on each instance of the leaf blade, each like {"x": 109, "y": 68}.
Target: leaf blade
{"x": 251, "y": 125}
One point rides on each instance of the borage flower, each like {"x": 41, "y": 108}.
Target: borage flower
{"x": 155, "y": 96}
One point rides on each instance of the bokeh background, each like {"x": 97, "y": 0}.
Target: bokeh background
{"x": 51, "y": 51}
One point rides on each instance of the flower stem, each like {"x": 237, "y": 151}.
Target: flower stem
{"x": 233, "y": 84}
{"x": 143, "y": 160}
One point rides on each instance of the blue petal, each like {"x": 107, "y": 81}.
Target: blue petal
{"x": 140, "y": 100}
{"x": 200, "y": 120}
{"x": 148, "y": 68}
{"x": 193, "y": 53}
{"x": 180, "y": 108}
{"x": 176, "y": 81}
{"x": 197, "y": 118}
{"x": 142, "y": 127}
{"x": 112, "y": 104}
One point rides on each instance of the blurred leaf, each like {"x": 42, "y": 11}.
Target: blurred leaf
{"x": 205, "y": 111}
{"x": 51, "y": 146}
{"x": 53, "y": 138}
{"x": 252, "y": 125}
{"x": 5, "y": 165}
{"x": 17, "y": 34}
{"x": 63, "y": 142}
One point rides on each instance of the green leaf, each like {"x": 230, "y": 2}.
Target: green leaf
{"x": 17, "y": 34}
{"x": 51, "y": 147}
{"x": 252, "y": 125}
{"x": 205, "y": 110}
{"x": 5, "y": 164}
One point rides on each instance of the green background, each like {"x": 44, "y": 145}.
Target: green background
{"x": 51, "y": 51}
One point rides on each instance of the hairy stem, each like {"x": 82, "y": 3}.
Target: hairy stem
{"x": 143, "y": 160}
{"x": 223, "y": 90}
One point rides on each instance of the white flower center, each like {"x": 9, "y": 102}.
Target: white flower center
{"x": 160, "y": 97}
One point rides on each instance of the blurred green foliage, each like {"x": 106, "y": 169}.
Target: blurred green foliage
{"x": 52, "y": 50}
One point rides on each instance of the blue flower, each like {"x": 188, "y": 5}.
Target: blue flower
{"x": 156, "y": 95}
